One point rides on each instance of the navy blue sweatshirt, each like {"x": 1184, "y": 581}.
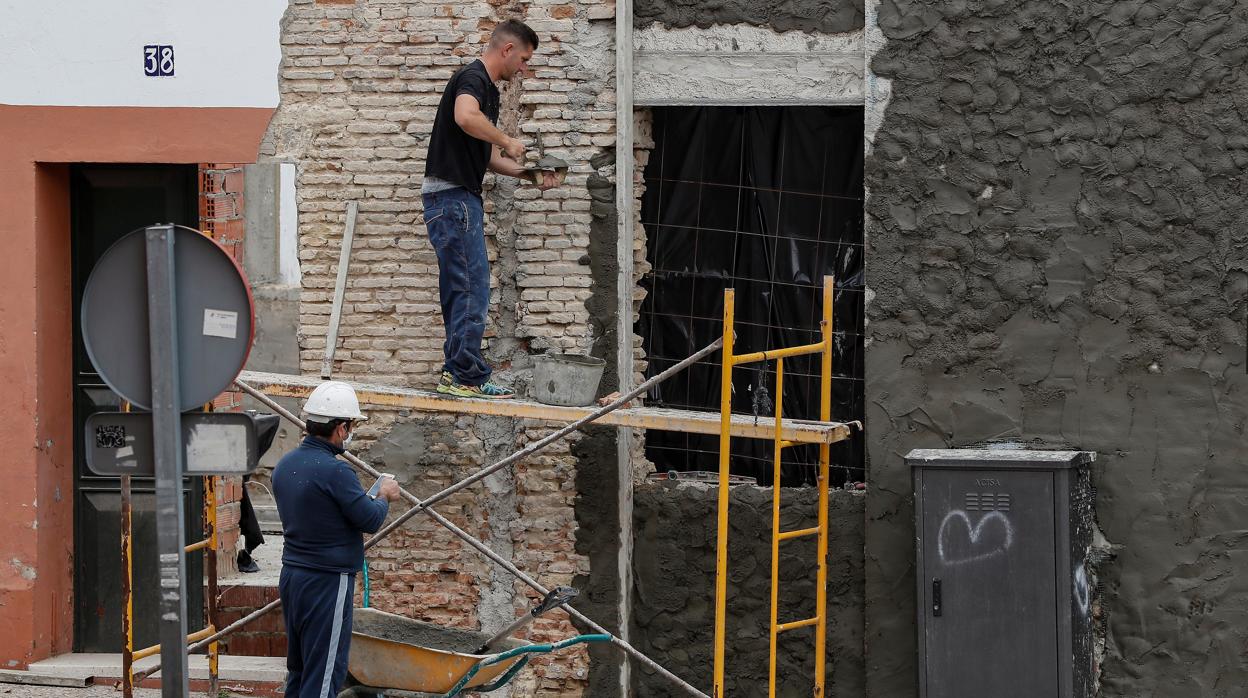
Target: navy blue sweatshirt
{"x": 324, "y": 510}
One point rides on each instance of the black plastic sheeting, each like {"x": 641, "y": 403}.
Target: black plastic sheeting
{"x": 766, "y": 200}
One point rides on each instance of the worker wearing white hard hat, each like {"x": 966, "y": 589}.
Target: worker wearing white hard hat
{"x": 333, "y": 400}
{"x": 325, "y": 513}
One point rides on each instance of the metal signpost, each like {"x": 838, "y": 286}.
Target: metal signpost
{"x": 162, "y": 321}
{"x": 141, "y": 320}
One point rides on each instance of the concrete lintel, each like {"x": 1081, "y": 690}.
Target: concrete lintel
{"x": 748, "y": 78}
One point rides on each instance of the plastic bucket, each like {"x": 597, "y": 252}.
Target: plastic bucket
{"x": 569, "y": 380}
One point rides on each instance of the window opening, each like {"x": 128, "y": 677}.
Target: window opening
{"x": 766, "y": 200}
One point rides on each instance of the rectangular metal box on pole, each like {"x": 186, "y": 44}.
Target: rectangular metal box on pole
{"x": 1004, "y": 603}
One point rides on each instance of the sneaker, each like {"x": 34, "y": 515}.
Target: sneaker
{"x": 445, "y": 379}
{"x": 488, "y": 391}
{"x": 495, "y": 391}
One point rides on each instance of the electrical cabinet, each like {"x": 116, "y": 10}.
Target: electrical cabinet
{"x": 1004, "y": 602}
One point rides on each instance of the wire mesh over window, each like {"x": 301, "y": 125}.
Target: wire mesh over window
{"x": 766, "y": 200}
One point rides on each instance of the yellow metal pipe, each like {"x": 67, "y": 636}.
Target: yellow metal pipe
{"x": 775, "y": 533}
{"x": 785, "y": 627}
{"x": 789, "y": 444}
{"x": 193, "y": 637}
{"x": 825, "y": 414}
{"x": 210, "y": 559}
{"x": 127, "y": 591}
{"x": 777, "y": 353}
{"x": 790, "y": 535}
{"x": 725, "y": 442}
{"x": 197, "y": 546}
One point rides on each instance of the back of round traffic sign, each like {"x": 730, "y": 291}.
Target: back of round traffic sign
{"x": 215, "y": 318}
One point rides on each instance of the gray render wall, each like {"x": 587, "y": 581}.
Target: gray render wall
{"x": 1057, "y": 253}
{"x": 828, "y": 16}
{"x": 674, "y": 589}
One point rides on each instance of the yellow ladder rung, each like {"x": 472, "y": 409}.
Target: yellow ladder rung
{"x": 787, "y": 535}
{"x": 778, "y": 353}
{"x": 197, "y": 546}
{"x": 789, "y": 444}
{"x": 783, "y": 627}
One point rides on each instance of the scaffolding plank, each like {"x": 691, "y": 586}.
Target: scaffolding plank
{"x": 659, "y": 419}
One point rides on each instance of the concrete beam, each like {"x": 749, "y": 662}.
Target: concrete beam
{"x": 748, "y": 66}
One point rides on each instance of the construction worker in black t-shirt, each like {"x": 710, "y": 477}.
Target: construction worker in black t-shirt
{"x": 465, "y": 143}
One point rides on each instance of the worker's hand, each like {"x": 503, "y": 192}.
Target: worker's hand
{"x": 514, "y": 149}
{"x": 608, "y": 399}
{"x": 390, "y": 490}
{"x": 548, "y": 179}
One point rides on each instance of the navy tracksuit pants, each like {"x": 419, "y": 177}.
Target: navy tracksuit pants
{"x": 317, "y": 606}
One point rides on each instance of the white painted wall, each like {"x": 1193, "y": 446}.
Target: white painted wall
{"x": 288, "y": 272}
{"x": 90, "y": 52}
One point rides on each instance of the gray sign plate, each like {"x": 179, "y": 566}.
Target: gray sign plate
{"x": 214, "y": 315}
{"x": 215, "y": 443}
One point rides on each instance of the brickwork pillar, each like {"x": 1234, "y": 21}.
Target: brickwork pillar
{"x": 221, "y": 218}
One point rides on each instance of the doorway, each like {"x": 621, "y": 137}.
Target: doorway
{"x": 106, "y": 202}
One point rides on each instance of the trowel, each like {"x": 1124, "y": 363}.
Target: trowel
{"x": 555, "y": 597}
{"x": 548, "y": 163}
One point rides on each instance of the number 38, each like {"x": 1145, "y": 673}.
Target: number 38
{"x": 158, "y": 61}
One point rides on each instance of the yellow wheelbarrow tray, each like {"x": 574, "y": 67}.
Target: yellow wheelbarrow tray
{"x": 391, "y": 652}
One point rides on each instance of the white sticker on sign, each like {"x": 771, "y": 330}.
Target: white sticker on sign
{"x": 220, "y": 323}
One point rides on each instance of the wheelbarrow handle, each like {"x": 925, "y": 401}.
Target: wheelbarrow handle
{"x": 519, "y": 651}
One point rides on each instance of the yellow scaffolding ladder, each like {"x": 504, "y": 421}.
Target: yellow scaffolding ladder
{"x": 819, "y": 620}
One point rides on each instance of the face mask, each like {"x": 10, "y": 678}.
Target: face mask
{"x": 347, "y": 441}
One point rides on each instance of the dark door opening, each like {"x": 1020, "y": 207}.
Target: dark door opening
{"x": 766, "y": 200}
{"x": 108, "y": 201}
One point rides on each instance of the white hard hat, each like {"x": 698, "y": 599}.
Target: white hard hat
{"x": 332, "y": 400}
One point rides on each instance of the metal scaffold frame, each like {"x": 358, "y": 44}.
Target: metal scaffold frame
{"x": 731, "y": 360}
{"x": 617, "y": 413}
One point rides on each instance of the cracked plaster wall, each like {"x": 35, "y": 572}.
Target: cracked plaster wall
{"x": 1056, "y": 245}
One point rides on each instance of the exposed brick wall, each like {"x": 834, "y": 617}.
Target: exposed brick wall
{"x": 263, "y": 637}
{"x": 221, "y": 205}
{"x": 221, "y": 218}
{"x": 229, "y": 512}
{"x": 360, "y": 83}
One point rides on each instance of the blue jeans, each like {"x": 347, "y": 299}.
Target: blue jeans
{"x": 456, "y": 225}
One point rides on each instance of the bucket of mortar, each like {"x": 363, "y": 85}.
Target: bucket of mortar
{"x": 569, "y": 380}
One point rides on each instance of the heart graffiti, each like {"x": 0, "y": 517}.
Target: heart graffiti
{"x": 992, "y": 535}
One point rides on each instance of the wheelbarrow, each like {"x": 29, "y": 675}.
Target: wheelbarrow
{"x": 398, "y": 657}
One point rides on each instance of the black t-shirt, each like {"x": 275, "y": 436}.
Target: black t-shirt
{"x": 454, "y": 155}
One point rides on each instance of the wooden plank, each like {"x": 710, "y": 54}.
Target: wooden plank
{"x": 30, "y": 678}
{"x": 659, "y": 419}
